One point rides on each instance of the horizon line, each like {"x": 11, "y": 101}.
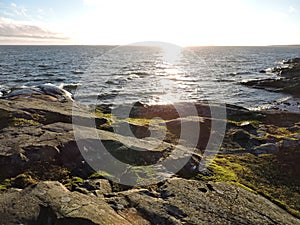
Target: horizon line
{"x": 133, "y": 45}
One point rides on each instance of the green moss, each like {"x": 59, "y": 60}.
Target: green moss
{"x": 144, "y": 174}
{"x": 272, "y": 176}
{"x": 100, "y": 114}
{"x": 22, "y": 181}
{"x": 141, "y": 122}
{"x": 101, "y": 174}
{"x": 144, "y": 121}
{"x": 223, "y": 170}
{"x": 238, "y": 122}
{"x": 5, "y": 184}
{"x": 77, "y": 180}
{"x": 244, "y": 186}
{"x": 38, "y": 117}
{"x": 72, "y": 183}
{"x": 17, "y": 122}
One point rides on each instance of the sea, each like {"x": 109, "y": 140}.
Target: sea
{"x": 148, "y": 74}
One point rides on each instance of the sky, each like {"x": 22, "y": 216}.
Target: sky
{"x": 180, "y": 22}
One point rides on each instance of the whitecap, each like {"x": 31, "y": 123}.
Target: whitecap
{"x": 133, "y": 76}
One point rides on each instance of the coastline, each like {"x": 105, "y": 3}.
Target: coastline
{"x": 258, "y": 159}
{"x": 287, "y": 81}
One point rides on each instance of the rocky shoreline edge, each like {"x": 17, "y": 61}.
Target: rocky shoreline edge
{"x": 45, "y": 180}
{"x": 287, "y": 81}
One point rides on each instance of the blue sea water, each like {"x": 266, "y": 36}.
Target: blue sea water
{"x": 138, "y": 73}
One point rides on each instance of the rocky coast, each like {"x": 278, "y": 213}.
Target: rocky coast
{"x": 253, "y": 179}
{"x": 288, "y": 80}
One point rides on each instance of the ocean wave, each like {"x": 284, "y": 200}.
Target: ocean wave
{"x": 44, "y": 67}
{"x": 49, "y": 74}
{"x": 77, "y": 72}
{"x": 60, "y": 79}
{"x": 133, "y": 76}
{"x": 285, "y": 104}
{"x": 4, "y": 90}
{"x": 239, "y": 73}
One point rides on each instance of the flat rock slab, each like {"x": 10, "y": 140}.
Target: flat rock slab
{"x": 181, "y": 201}
{"x": 51, "y": 203}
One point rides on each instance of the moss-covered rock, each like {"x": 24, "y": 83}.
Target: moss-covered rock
{"x": 272, "y": 175}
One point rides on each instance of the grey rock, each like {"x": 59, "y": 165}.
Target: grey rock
{"x": 51, "y": 203}
{"x": 101, "y": 185}
{"x": 36, "y": 131}
{"x": 287, "y": 143}
{"x": 241, "y": 137}
{"x": 288, "y": 82}
{"x": 267, "y": 148}
{"x": 47, "y": 135}
{"x": 195, "y": 202}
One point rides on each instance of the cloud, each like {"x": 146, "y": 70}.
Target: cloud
{"x": 12, "y": 29}
{"x": 19, "y": 10}
{"x": 292, "y": 9}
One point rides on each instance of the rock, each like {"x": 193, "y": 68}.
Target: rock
{"x": 247, "y": 126}
{"x": 48, "y": 92}
{"x": 287, "y": 143}
{"x": 241, "y": 137}
{"x": 22, "y": 181}
{"x": 51, "y": 203}
{"x": 104, "y": 108}
{"x": 82, "y": 190}
{"x": 203, "y": 125}
{"x": 133, "y": 216}
{"x": 267, "y": 148}
{"x": 37, "y": 142}
{"x": 182, "y": 110}
{"x": 195, "y": 202}
{"x": 280, "y": 118}
{"x": 101, "y": 185}
{"x": 129, "y": 129}
{"x": 288, "y": 81}
{"x": 46, "y": 136}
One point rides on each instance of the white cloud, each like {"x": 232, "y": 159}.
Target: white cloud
{"x": 6, "y": 13}
{"x": 292, "y": 9}
{"x": 14, "y": 29}
{"x": 19, "y": 10}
